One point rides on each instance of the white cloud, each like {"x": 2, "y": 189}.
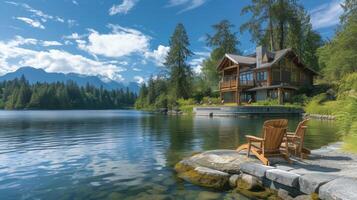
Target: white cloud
{"x": 187, "y": 4}
{"x": 75, "y": 2}
{"x": 40, "y": 15}
{"x": 120, "y": 42}
{"x": 158, "y": 56}
{"x": 31, "y": 22}
{"x": 20, "y": 41}
{"x": 139, "y": 79}
{"x": 122, "y": 8}
{"x": 51, "y": 43}
{"x": 74, "y": 36}
{"x": 196, "y": 63}
{"x": 13, "y": 55}
{"x": 326, "y": 15}
{"x": 136, "y": 69}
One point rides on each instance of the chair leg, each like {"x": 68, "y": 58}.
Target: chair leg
{"x": 242, "y": 147}
{"x": 261, "y": 157}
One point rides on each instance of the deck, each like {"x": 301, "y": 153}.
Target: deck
{"x": 244, "y": 110}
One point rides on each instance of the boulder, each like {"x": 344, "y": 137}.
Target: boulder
{"x": 233, "y": 180}
{"x": 224, "y": 160}
{"x": 249, "y": 182}
{"x": 255, "y": 169}
{"x": 283, "y": 194}
{"x": 283, "y": 177}
{"x": 338, "y": 189}
{"x": 206, "y": 177}
{"x": 310, "y": 183}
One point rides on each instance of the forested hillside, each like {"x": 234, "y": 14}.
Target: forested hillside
{"x": 19, "y": 94}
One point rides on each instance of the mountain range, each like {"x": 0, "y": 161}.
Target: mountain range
{"x": 34, "y": 75}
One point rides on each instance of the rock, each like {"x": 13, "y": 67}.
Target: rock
{"x": 284, "y": 194}
{"x": 306, "y": 197}
{"x": 338, "y": 189}
{"x": 249, "y": 182}
{"x": 310, "y": 183}
{"x": 115, "y": 196}
{"x": 224, "y": 160}
{"x": 233, "y": 180}
{"x": 254, "y": 169}
{"x": 206, "y": 177}
{"x": 283, "y": 177}
{"x": 205, "y": 195}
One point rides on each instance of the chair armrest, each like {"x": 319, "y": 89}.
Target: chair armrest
{"x": 290, "y": 133}
{"x": 293, "y": 136}
{"x": 253, "y": 138}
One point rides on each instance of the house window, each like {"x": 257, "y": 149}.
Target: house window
{"x": 246, "y": 78}
{"x": 262, "y": 76}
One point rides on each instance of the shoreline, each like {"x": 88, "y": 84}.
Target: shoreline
{"x": 328, "y": 173}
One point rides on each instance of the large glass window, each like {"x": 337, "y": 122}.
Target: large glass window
{"x": 246, "y": 78}
{"x": 262, "y": 76}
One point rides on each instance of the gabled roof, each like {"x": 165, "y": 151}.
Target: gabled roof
{"x": 251, "y": 59}
{"x": 241, "y": 59}
{"x": 277, "y": 55}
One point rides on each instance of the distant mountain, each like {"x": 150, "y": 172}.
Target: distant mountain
{"x": 34, "y": 75}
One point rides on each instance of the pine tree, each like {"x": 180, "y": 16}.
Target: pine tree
{"x": 179, "y": 71}
{"x": 223, "y": 41}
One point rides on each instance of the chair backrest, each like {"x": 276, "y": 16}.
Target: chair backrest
{"x": 273, "y": 137}
{"x": 300, "y": 129}
{"x": 277, "y": 123}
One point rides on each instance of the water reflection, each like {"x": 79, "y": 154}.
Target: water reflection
{"x": 116, "y": 154}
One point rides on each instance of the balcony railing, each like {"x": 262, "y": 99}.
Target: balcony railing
{"x": 228, "y": 84}
{"x": 224, "y": 84}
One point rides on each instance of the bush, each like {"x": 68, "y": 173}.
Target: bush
{"x": 211, "y": 100}
{"x": 321, "y": 105}
{"x": 185, "y": 102}
{"x": 161, "y": 101}
{"x": 268, "y": 102}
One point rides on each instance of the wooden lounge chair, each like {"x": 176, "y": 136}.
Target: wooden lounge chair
{"x": 296, "y": 140}
{"x": 274, "y": 132}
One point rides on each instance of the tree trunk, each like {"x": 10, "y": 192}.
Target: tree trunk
{"x": 271, "y": 28}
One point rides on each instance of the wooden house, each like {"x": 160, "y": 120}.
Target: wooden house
{"x": 262, "y": 75}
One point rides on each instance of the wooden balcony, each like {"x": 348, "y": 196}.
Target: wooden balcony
{"x": 232, "y": 84}
{"x": 228, "y": 84}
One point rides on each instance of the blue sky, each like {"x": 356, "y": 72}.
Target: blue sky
{"x": 122, "y": 40}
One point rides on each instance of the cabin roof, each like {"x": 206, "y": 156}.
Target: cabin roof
{"x": 241, "y": 59}
{"x": 275, "y": 56}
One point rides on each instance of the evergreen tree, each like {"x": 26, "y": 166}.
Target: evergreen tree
{"x": 19, "y": 94}
{"x": 179, "y": 71}
{"x": 339, "y": 57}
{"x": 223, "y": 41}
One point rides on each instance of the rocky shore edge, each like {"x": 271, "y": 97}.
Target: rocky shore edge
{"x": 229, "y": 170}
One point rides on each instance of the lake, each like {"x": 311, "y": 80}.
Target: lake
{"x": 117, "y": 154}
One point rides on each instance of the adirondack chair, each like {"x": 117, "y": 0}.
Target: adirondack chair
{"x": 295, "y": 140}
{"x": 274, "y": 132}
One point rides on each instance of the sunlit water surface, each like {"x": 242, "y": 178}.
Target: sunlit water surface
{"x": 117, "y": 154}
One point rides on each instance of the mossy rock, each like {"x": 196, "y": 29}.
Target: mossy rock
{"x": 205, "y": 177}
{"x": 265, "y": 193}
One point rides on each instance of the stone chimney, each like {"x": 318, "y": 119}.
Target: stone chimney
{"x": 259, "y": 55}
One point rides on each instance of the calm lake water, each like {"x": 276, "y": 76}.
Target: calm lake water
{"x": 116, "y": 154}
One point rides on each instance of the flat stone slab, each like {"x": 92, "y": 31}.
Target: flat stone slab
{"x": 283, "y": 177}
{"x": 255, "y": 169}
{"x": 339, "y": 189}
{"x": 310, "y": 183}
{"x": 223, "y": 160}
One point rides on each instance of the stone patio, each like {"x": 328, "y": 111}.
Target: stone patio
{"x": 328, "y": 173}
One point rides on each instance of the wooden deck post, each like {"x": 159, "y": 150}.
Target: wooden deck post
{"x": 280, "y": 96}
{"x": 237, "y": 87}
